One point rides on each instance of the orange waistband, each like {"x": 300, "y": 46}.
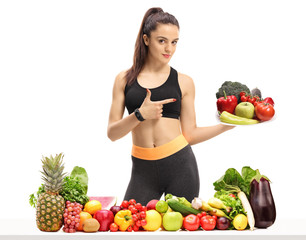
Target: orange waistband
{"x": 162, "y": 151}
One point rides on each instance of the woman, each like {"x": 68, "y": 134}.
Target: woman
{"x": 160, "y": 102}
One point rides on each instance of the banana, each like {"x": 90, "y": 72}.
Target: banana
{"x": 233, "y": 119}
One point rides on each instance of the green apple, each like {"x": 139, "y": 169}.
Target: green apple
{"x": 172, "y": 221}
{"x": 245, "y": 109}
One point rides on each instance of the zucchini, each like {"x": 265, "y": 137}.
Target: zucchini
{"x": 176, "y": 206}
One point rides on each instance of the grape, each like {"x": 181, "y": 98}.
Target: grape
{"x": 72, "y": 217}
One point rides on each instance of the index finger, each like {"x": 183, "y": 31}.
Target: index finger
{"x": 169, "y": 100}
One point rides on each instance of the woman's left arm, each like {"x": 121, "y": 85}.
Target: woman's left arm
{"x": 190, "y": 130}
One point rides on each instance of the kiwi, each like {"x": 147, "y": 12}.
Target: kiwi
{"x": 91, "y": 225}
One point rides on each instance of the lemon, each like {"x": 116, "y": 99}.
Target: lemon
{"x": 154, "y": 220}
{"x": 92, "y": 206}
{"x": 240, "y": 222}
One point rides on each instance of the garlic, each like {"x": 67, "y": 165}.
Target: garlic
{"x": 196, "y": 203}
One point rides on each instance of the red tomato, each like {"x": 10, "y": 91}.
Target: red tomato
{"x": 244, "y": 98}
{"x": 191, "y": 222}
{"x": 257, "y": 102}
{"x": 264, "y": 111}
{"x": 252, "y": 100}
{"x": 113, "y": 227}
{"x": 208, "y": 223}
{"x": 242, "y": 94}
{"x": 132, "y": 201}
{"x": 232, "y": 195}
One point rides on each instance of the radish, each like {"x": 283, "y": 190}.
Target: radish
{"x": 247, "y": 207}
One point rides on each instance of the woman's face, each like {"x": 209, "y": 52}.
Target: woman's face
{"x": 162, "y": 42}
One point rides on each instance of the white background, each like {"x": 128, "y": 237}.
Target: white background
{"x": 58, "y": 61}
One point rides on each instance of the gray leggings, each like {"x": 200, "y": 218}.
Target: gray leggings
{"x": 176, "y": 174}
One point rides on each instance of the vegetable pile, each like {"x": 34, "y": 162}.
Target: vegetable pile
{"x": 236, "y": 105}
{"x": 241, "y": 201}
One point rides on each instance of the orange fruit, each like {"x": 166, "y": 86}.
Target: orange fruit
{"x": 83, "y": 217}
{"x": 92, "y": 207}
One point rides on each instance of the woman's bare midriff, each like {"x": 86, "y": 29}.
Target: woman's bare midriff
{"x": 154, "y": 133}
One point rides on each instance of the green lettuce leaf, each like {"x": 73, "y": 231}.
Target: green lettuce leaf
{"x": 81, "y": 174}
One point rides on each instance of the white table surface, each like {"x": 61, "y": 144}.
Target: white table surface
{"x": 291, "y": 229}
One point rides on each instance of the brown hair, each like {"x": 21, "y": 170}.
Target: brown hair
{"x": 149, "y": 23}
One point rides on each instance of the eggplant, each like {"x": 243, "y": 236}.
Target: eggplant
{"x": 262, "y": 202}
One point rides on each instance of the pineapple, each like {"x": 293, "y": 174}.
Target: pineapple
{"x": 50, "y": 205}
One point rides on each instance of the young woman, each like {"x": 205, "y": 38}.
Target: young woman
{"x": 162, "y": 119}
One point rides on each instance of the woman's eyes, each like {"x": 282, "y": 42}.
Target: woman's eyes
{"x": 163, "y": 41}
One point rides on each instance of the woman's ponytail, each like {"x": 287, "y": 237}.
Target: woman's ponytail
{"x": 148, "y": 24}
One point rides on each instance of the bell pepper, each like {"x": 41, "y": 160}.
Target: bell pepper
{"x": 123, "y": 219}
{"x": 269, "y": 100}
{"x": 227, "y": 103}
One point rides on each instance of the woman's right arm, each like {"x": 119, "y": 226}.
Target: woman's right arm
{"x": 118, "y": 127}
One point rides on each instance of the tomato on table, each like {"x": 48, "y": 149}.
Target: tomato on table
{"x": 191, "y": 222}
{"x": 208, "y": 222}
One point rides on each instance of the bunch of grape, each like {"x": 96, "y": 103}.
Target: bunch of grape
{"x": 138, "y": 214}
{"x": 72, "y": 216}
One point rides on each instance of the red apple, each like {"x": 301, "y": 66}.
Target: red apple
{"x": 152, "y": 204}
{"x": 105, "y": 218}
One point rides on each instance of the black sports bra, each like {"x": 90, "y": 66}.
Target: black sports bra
{"x": 135, "y": 94}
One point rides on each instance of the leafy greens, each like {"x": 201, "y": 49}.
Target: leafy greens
{"x": 232, "y": 181}
{"x": 74, "y": 188}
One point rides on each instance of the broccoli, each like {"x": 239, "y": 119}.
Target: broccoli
{"x": 232, "y": 88}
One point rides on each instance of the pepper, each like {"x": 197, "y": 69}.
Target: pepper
{"x": 123, "y": 219}
{"x": 227, "y": 103}
{"x": 269, "y": 100}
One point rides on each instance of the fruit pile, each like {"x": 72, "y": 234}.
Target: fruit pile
{"x": 156, "y": 215}
{"x": 228, "y": 209}
{"x": 249, "y": 108}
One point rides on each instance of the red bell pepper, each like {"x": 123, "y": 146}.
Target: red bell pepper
{"x": 269, "y": 100}
{"x": 227, "y": 103}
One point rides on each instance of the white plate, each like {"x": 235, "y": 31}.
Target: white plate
{"x": 260, "y": 123}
